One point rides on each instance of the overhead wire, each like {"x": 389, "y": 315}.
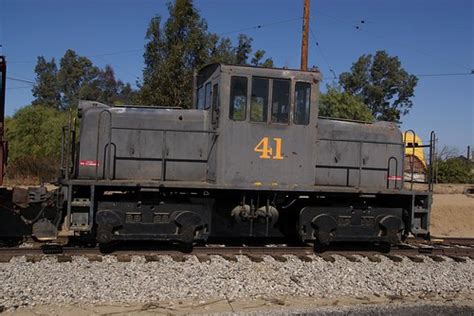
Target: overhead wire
{"x": 21, "y": 80}
{"x": 259, "y": 26}
{"x": 358, "y": 27}
{"x": 331, "y": 69}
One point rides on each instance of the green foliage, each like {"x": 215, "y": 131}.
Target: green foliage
{"x": 175, "y": 49}
{"x": 338, "y": 104}
{"x": 244, "y": 48}
{"x": 75, "y": 73}
{"x": 382, "y": 84}
{"x": 34, "y": 137}
{"x": 258, "y": 56}
{"x": 455, "y": 170}
{"x": 76, "y": 79}
{"x": 46, "y": 91}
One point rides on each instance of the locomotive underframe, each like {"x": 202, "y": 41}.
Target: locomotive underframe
{"x": 186, "y": 212}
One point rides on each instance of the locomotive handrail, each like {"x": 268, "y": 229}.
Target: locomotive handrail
{"x": 388, "y": 171}
{"x": 360, "y": 141}
{"x": 412, "y": 158}
{"x": 430, "y": 172}
{"x": 98, "y": 139}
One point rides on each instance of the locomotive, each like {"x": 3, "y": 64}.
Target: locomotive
{"x": 251, "y": 160}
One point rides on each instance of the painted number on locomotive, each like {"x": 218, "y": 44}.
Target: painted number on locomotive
{"x": 267, "y": 151}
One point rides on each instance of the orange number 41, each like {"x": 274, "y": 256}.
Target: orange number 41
{"x": 266, "y": 151}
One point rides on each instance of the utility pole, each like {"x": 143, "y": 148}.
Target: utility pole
{"x": 304, "y": 39}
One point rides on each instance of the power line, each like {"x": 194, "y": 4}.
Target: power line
{"x": 22, "y": 87}
{"x": 21, "y": 80}
{"x": 446, "y": 74}
{"x": 358, "y": 27}
{"x": 259, "y": 26}
{"x": 331, "y": 69}
{"x": 430, "y": 75}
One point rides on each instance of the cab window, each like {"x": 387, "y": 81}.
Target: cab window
{"x": 259, "y": 100}
{"x": 215, "y": 104}
{"x": 207, "y": 96}
{"x": 302, "y": 103}
{"x": 200, "y": 98}
{"x": 238, "y": 98}
{"x": 280, "y": 101}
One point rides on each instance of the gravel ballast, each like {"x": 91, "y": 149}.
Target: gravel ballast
{"x": 83, "y": 282}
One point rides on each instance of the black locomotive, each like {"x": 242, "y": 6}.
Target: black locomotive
{"x": 252, "y": 160}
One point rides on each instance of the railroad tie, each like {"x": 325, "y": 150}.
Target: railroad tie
{"x": 436, "y": 258}
{"x": 124, "y": 258}
{"x": 203, "y": 258}
{"x": 328, "y": 258}
{"x": 458, "y": 259}
{"x": 351, "y": 258}
{"x": 416, "y": 259}
{"x": 305, "y": 258}
{"x": 34, "y": 258}
{"x": 151, "y": 258}
{"x": 63, "y": 258}
{"x": 280, "y": 258}
{"x": 229, "y": 258}
{"x": 94, "y": 258}
{"x": 374, "y": 258}
{"x": 394, "y": 258}
{"x": 255, "y": 258}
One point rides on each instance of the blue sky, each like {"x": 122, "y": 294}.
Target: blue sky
{"x": 431, "y": 37}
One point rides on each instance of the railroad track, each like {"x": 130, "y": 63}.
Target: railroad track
{"x": 458, "y": 249}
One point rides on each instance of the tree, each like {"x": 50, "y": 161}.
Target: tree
{"x": 77, "y": 78}
{"x": 455, "y": 170}
{"x": 46, "y": 89}
{"x": 221, "y": 50}
{"x": 382, "y": 84}
{"x": 340, "y": 104}
{"x": 75, "y": 72}
{"x": 172, "y": 54}
{"x": 34, "y": 136}
{"x": 244, "y": 48}
{"x": 258, "y": 56}
{"x": 178, "y": 48}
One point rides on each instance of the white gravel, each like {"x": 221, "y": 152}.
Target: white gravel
{"x": 83, "y": 282}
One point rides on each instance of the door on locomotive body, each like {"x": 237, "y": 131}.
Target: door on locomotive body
{"x": 268, "y": 128}
{"x": 207, "y": 99}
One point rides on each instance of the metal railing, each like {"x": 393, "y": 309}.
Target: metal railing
{"x": 430, "y": 164}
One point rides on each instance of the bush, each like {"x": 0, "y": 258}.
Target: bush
{"x": 455, "y": 170}
{"x": 34, "y": 142}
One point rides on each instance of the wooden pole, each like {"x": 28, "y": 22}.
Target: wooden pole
{"x": 304, "y": 39}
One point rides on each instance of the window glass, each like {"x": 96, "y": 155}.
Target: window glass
{"x": 302, "y": 103}
{"x": 207, "y": 96}
{"x": 280, "y": 101}
{"x": 238, "y": 98}
{"x": 200, "y": 98}
{"x": 215, "y": 104}
{"x": 259, "y": 101}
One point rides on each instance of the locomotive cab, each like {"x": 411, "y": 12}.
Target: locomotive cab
{"x": 266, "y": 119}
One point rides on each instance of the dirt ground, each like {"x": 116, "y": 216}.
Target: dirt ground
{"x": 265, "y": 306}
{"x": 452, "y": 212}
